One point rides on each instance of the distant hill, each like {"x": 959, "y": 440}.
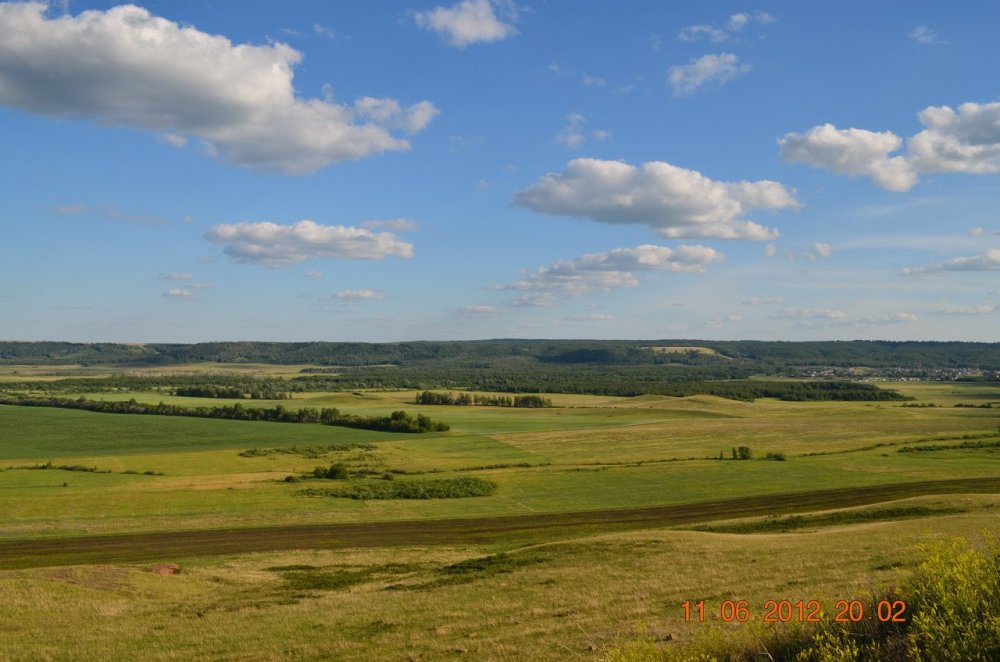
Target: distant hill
{"x": 766, "y": 356}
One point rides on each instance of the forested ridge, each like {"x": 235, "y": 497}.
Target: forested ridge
{"x": 766, "y": 356}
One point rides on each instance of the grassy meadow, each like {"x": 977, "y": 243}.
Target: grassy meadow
{"x": 560, "y": 595}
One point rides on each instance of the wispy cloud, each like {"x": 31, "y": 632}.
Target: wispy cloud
{"x": 574, "y": 133}
{"x": 395, "y": 224}
{"x": 730, "y": 28}
{"x": 601, "y": 272}
{"x": 810, "y": 313}
{"x": 324, "y": 31}
{"x": 925, "y": 35}
{"x": 987, "y": 261}
{"x": 586, "y": 79}
{"x": 707, "y": 70}
{"x": 763, "y": 301}
{"x": 179, "y": 293}
{"x": 113, "y": 213}
{"x": 811, "y": 253}
{"x": 359, "y": 295}
{"x": 982, "y": 309}
{"x": 836, "y": 317}
{"x": 478, "y": 311}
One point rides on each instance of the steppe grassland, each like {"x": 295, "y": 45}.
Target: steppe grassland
{"x": 557, "y": 599}
{"x": 587, "y": 452}
{"x": 560, "y": 600}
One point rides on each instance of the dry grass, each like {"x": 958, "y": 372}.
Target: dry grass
{"x": 564, "y": 599}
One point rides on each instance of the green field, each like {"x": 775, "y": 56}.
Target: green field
{"x": 591, "y": 496}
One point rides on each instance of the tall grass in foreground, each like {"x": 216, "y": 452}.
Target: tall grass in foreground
{"x": 953, "y": 614}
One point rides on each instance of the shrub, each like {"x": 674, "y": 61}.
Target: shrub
{"x": 954, "y": 597}
{"x": 337, "y": 471}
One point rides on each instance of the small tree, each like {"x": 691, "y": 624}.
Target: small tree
{"x": 337, "y": 471}
{"x": 744, "y": 452}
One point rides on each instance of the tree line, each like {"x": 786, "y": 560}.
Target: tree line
{"x": 475, "y": 399}
{"x": 523, "y": 378}
{"x": 236, "y": 387}
{"x": 398, "y": 421}
{"x": 258, "y": 391}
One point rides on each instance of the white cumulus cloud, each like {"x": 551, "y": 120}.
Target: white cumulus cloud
{"x": 127, "y": 67}
{"x": 966, "y": 140}
{"x": 274, "y": 245}
{"x": 706, "y": 70}
{"x": 673, "y": 201}
{"x": 851, "y": 152}
{"x": 963, "y": 140}
{"x": 469, "y": 21}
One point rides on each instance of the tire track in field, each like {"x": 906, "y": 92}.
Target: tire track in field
{"x": 167, "y": 546}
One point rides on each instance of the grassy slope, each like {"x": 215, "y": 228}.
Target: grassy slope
{"x": 560, "y": 600}
{"x": 589, "y": 453}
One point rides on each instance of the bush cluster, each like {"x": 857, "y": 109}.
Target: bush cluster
{"x": 473, "y": 399}
{"x": 441, "y": 488}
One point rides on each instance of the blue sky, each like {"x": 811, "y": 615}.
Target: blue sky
{"x": 189, "y": 171}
